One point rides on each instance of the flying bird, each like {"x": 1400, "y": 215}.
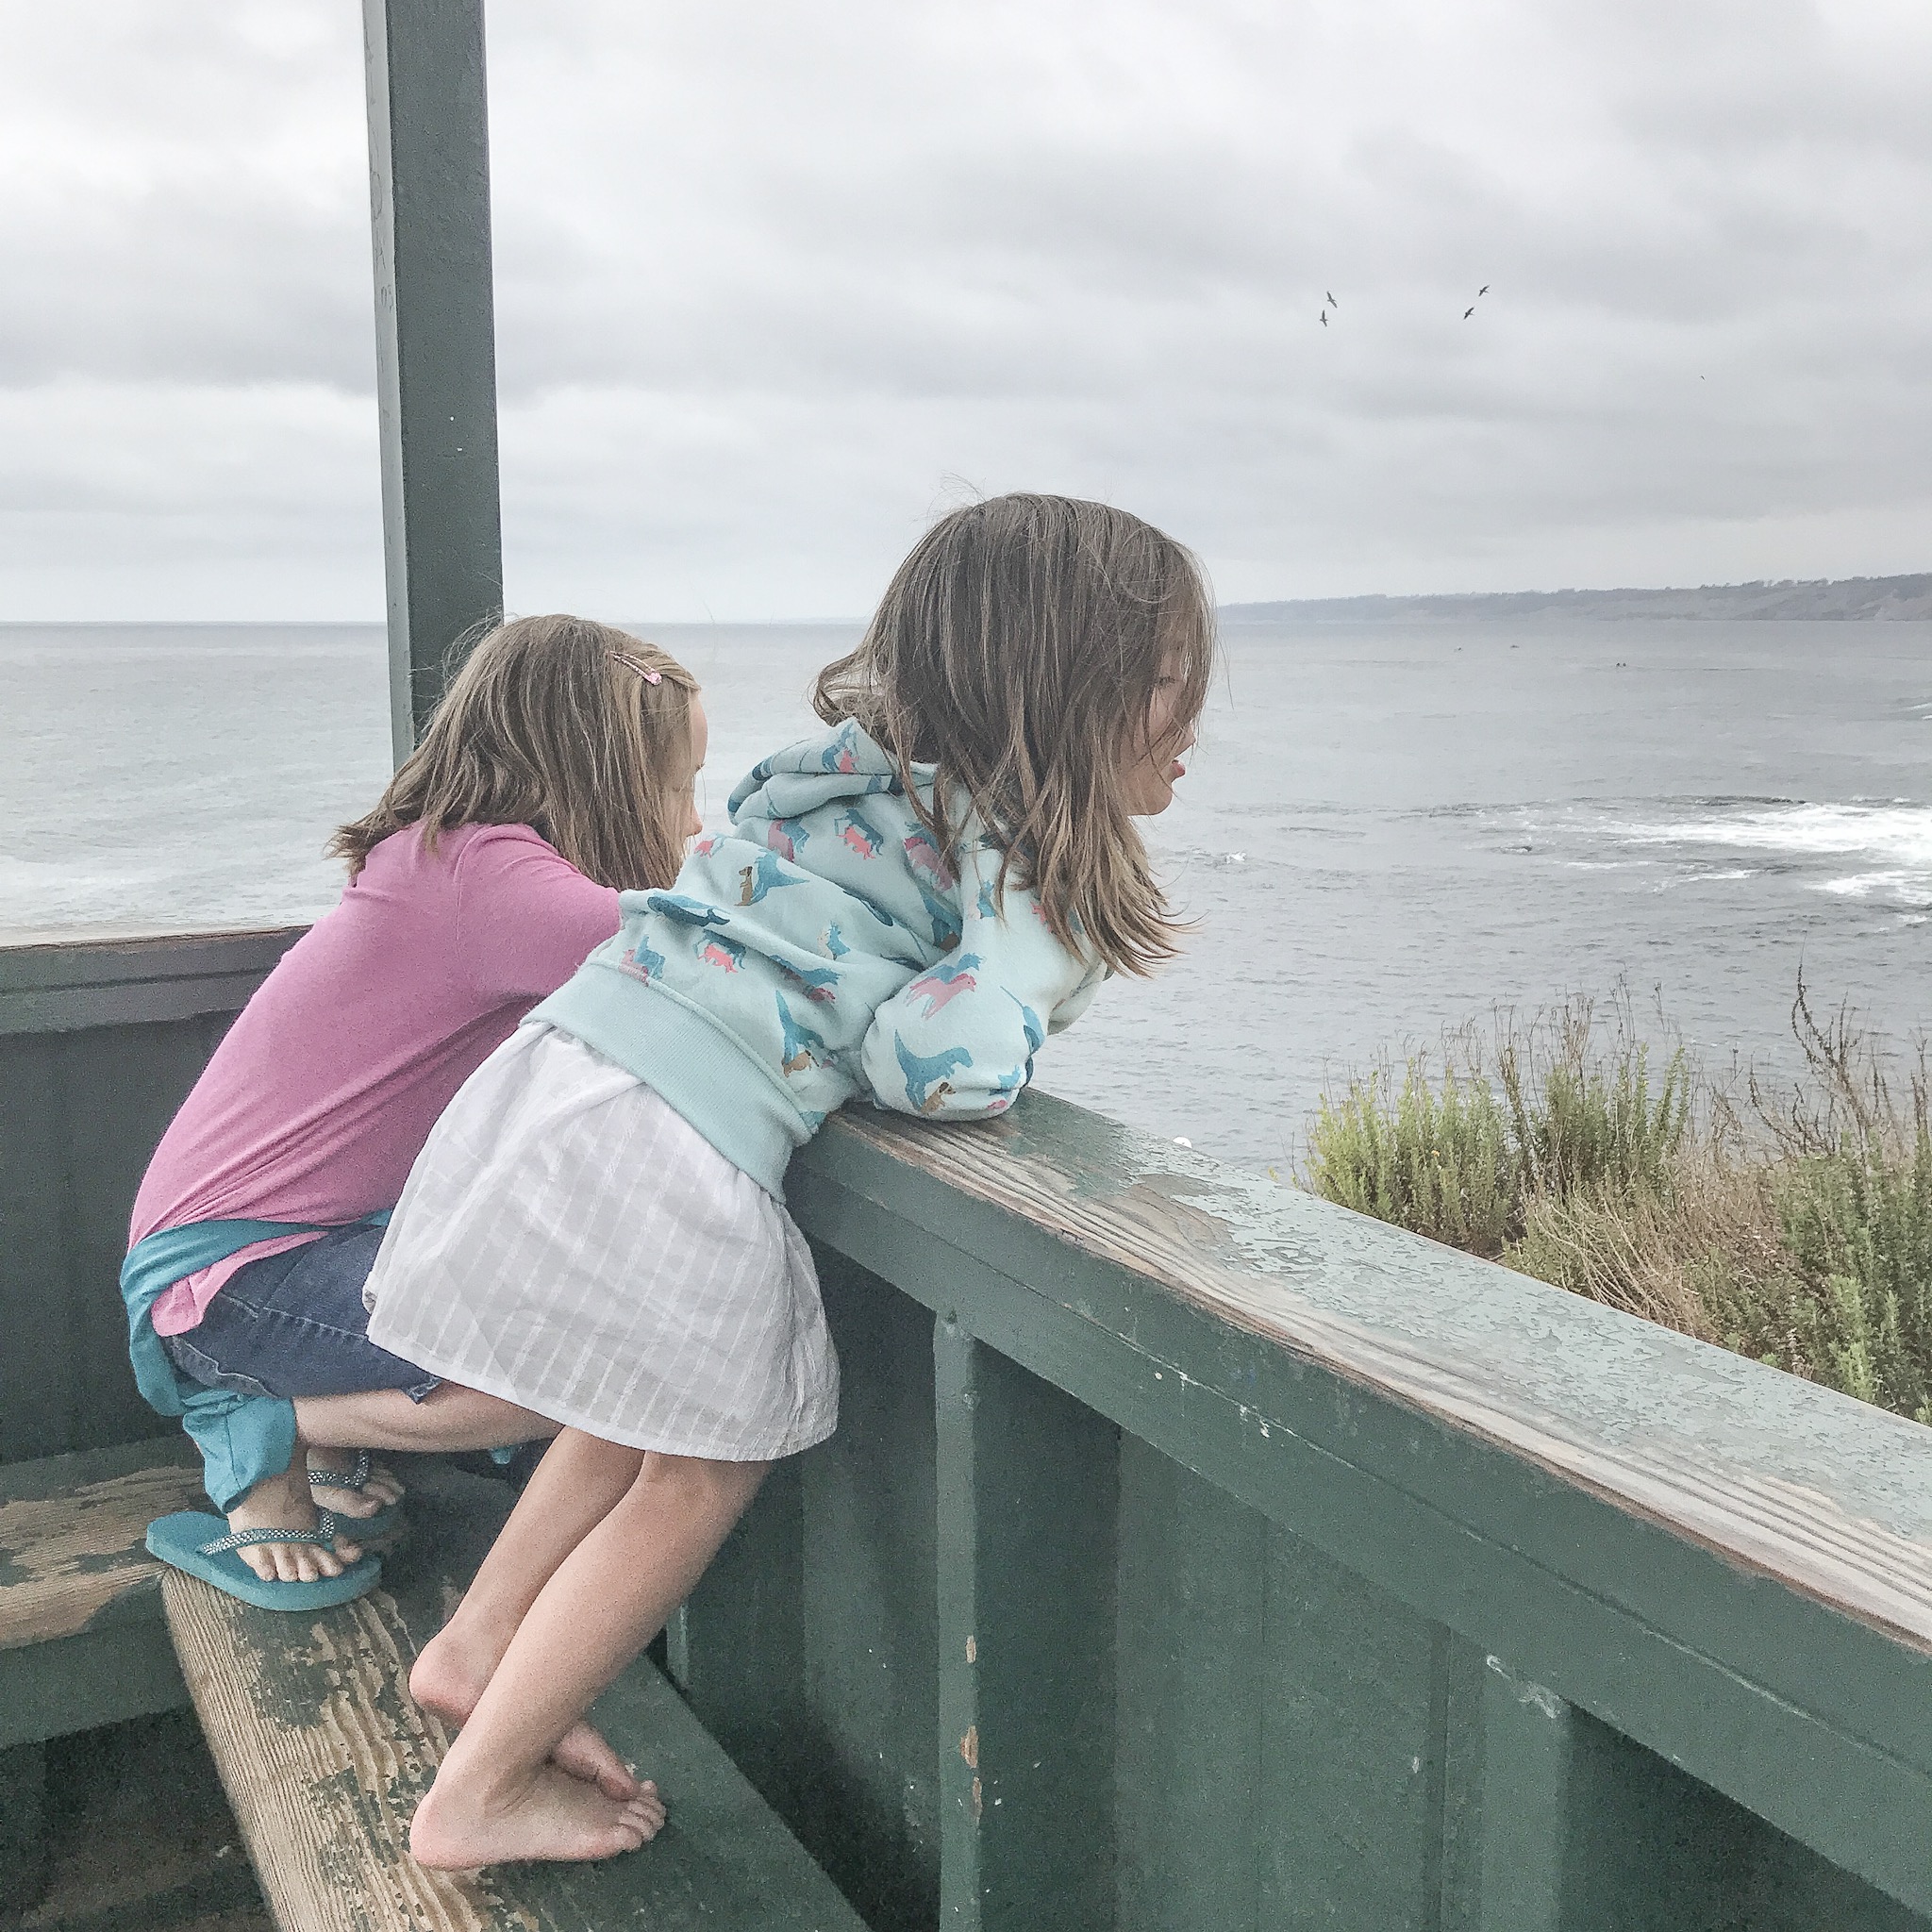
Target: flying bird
{"x": 1322, "y": 318}
{"x": 1483, "y": 291}
{"x": 1332, "y": 302}
{"x": 1469, "y": 312}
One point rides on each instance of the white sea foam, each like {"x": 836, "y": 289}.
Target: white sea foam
{"x": 1895, "y": 831}
{"x": 1707, "y": 878}
{"x": 1894, "y": 840}
{"x": 1899, "y": 887}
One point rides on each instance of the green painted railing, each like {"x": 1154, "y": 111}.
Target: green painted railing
{"x": 1194, "y": 1553}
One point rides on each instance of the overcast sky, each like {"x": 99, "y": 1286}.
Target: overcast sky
{"x": 775, "y": 282}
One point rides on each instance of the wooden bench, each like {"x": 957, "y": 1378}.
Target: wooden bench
{"x": 324, "y": 1757}
{"x": 82, "y": 1641}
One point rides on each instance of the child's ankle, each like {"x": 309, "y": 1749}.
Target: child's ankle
{"x": 285, "y": 1497}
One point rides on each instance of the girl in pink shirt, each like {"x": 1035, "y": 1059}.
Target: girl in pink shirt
{"x": 559, "y": 769}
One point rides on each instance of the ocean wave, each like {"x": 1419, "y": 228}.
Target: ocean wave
{"x": 1896, "y": 831}
{"x": 1899, "y": 887}
{"x": 1722, "y": 874}
{"x": 1889, "y": 842}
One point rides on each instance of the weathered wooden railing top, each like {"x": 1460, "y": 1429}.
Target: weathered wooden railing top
{"x": 64, "y": 985}
{"x": 1825, "y": 1494}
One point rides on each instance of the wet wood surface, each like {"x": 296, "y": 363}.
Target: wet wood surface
{"x": 1830, "y": 1496}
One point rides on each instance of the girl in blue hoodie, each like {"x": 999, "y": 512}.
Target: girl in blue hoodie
{"x": 904, "y": 907}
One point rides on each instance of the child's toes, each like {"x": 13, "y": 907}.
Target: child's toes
{"x": 260, "y": 1559}
{"x": 643, "y": 1822}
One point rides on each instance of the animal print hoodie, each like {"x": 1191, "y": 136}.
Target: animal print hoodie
{"x": 824, "y": 947}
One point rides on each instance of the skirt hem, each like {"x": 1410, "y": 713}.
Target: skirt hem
{"x": 793, "y": 1444}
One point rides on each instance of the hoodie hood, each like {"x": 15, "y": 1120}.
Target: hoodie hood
{"x": 821, "y": 771}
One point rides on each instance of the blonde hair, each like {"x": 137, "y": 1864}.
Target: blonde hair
{"x": 575, "y": 730}
{"x": 1018, "y": 648}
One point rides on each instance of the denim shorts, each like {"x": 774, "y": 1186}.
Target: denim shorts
{"x": 294, "y": 1324}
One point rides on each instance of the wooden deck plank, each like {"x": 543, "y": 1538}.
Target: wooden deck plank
{"x": 324, "y": 1757}
{"x": 72, "y": 1553}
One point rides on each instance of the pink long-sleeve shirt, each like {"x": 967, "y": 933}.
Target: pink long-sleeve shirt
{"x": 317, "y": 1102}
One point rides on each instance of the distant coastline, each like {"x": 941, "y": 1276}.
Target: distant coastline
{"x": 1847, "y": 599}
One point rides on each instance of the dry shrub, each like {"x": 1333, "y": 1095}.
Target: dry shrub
{"x": 1660, "y": 1254}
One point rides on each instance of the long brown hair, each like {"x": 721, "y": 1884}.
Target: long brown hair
{"x": 578, "y": 730}
{"x": 1018, "y": 649}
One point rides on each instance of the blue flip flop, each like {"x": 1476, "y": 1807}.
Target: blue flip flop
{"x": 357, "y": 1528}
{"x": 184, "y": 1541}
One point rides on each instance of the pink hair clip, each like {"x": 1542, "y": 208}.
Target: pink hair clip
{"x": 649, "y": 676}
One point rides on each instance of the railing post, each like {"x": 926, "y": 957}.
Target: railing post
{"x": 1028, "y": 1485}
{"x": 435, "y": 339}
{"x": 1510, "y": 1792}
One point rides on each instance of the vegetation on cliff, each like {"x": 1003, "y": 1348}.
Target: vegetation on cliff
{"x": 1790, "y": 1224}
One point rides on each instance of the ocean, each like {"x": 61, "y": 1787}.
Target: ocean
{"x": 1388, "y": 828}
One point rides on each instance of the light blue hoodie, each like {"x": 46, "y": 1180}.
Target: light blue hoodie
{"x": 824, "y": 947}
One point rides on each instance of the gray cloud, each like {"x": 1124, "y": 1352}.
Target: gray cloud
{"x": 774, "y": 283}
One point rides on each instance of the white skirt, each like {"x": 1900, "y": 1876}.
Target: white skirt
{"x": 569, "y": 1242}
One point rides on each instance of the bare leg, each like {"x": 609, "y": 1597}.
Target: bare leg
{"x": 450, "y": 1673}
{"x": 579, "y": 1481}
{"x": 286, "y": 1502}
{"x": 497, "y": 1798}
{"x": 447, "y": 1418}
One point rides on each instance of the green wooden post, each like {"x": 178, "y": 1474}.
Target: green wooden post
{"x": 435, "y": 340}
{"x": 1509, "y": 1800}
{"x": 1192, "y": 1593}
{"x": 1028, "y": 1491}
{"x": 736, "y": 1649}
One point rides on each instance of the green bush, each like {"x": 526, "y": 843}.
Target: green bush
{"x": 1858, "y": 1225}
{"x": 1441, "y": 1164}
{"x": 1566, "y": 1112}
{"x": 1585, "y": 1116}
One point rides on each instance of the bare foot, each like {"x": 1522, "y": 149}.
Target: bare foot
{"x": 460, "y": 1826}
{"x": 380, "y": 1492}
{"x": 283, "y": 1502}
{"x": 448, "y": 1678}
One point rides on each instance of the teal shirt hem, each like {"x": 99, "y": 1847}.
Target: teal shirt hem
{"x": 244, "y": 1439}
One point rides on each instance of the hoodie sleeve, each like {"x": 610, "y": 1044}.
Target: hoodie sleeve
{"x": 958, "y": 1042}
